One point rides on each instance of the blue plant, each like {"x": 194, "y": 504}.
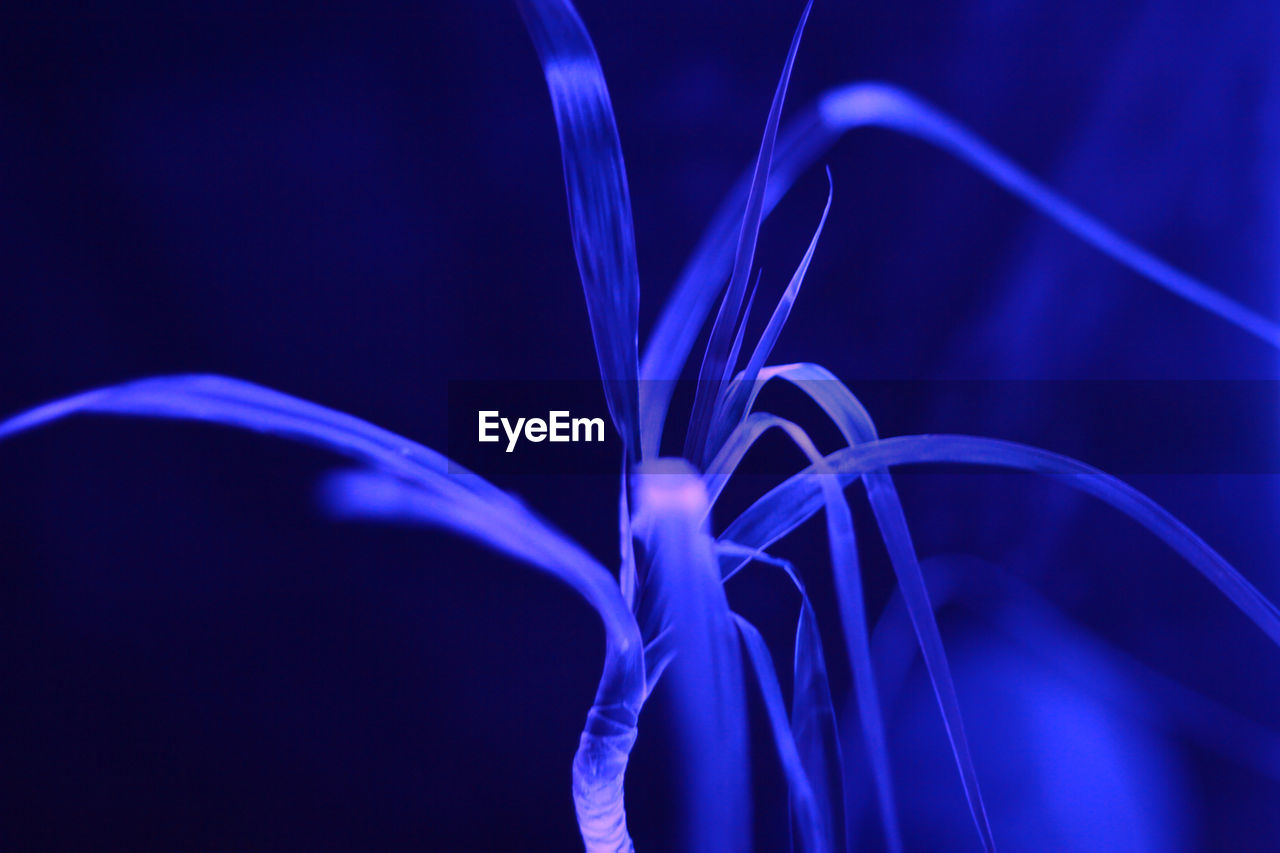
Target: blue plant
{"x": 665, "y": 612}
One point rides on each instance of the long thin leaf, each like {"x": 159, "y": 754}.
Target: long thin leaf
{"x": 595, "y": 180}
{"x": 416, "y": 482}
{"x": 790, "y": 503}
{"x": 806, "y": 138}
{"x": 628, "y": 577}
{"x": 815, "y": 725}
{"x": 814, "y": 833}
{"x": 832, "y": 396}
{"x": 733, "y": 403}
{"x": 849, "y": 595}
{"x": 708, "y": 269}
{"x": 787, "y": 505}
{"x": 888, "y": 106}
{"x": 734, "y": 351}
{"x": 599, "y": 766}
{"x": 709, "y": 376}
{"x": 887, "y": 507}
{"x": 232, "y": 402}
{"x": 847, "y": 412}
{"x": 813, "y": 716}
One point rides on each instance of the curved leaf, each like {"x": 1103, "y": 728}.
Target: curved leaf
{"x": 814, "y": 832}
{"x": 800, "y": 144}
{"x": 713, "y": 363}
{"x": 849, "y": 595}
{"x": 413, "y": 482}
{"x": 814, "y": 725}
{"x": 734, "y": 403}
{"x": 463, "y": 501}
{"x": 887, "y": 106}
{"x": 790, "y": 503}
{"x": 704, "y": 275}
{"x": 595, "y": 180}
{"x": 849, "y": 415}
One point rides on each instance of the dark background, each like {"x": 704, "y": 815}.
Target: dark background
{"x": 356, "y": 203}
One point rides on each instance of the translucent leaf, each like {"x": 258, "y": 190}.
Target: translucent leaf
{"x": 862, "y": 104}
{"x": 814, "y": 832}
{"x": 791, "y": 502}
{"x": 734, "y": 403}
{"x": 412, "y": 482}
{"x": 714, "y": 360}
{"x": 849, "y": 594}
{"x": 595, "y": 180}
{"x": 813, "y": 717}
{"x": 856, "y": 426}
{"x": 807, "y": 137}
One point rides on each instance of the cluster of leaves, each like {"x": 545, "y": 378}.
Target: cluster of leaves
{"x": 666, "y": 604}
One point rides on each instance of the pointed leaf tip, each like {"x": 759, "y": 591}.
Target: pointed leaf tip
{"x": 595, "y": 181}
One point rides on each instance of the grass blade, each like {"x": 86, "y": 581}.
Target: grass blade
{"x": 816, "y": 727}
{"x": 708, "y": 269}
{"x": 791, "y": 502}
{"x": 813, "y": 716}
{"x": 595, "y": 181}
{"x": 863, "y": 104}
{"x": 814, "y": 833}
{"x": 726, "y": 321}
{"x": 787, "y": 505}
{"x": 812, "y": 133}
{"x": 849, "y": 595}
{"x": 734, "y": 351}
{"x": 734, "y": 404}
{"x": 414, "y": 482}
{"x": 599, "y": 766}
{"x": 457, "y": 499}
{"x": 856, "y": 426}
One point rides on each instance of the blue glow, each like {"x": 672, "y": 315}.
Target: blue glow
{"x": 933, "y": 700}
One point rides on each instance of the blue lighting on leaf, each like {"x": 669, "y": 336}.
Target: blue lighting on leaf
{"x": 955, "y": 680}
